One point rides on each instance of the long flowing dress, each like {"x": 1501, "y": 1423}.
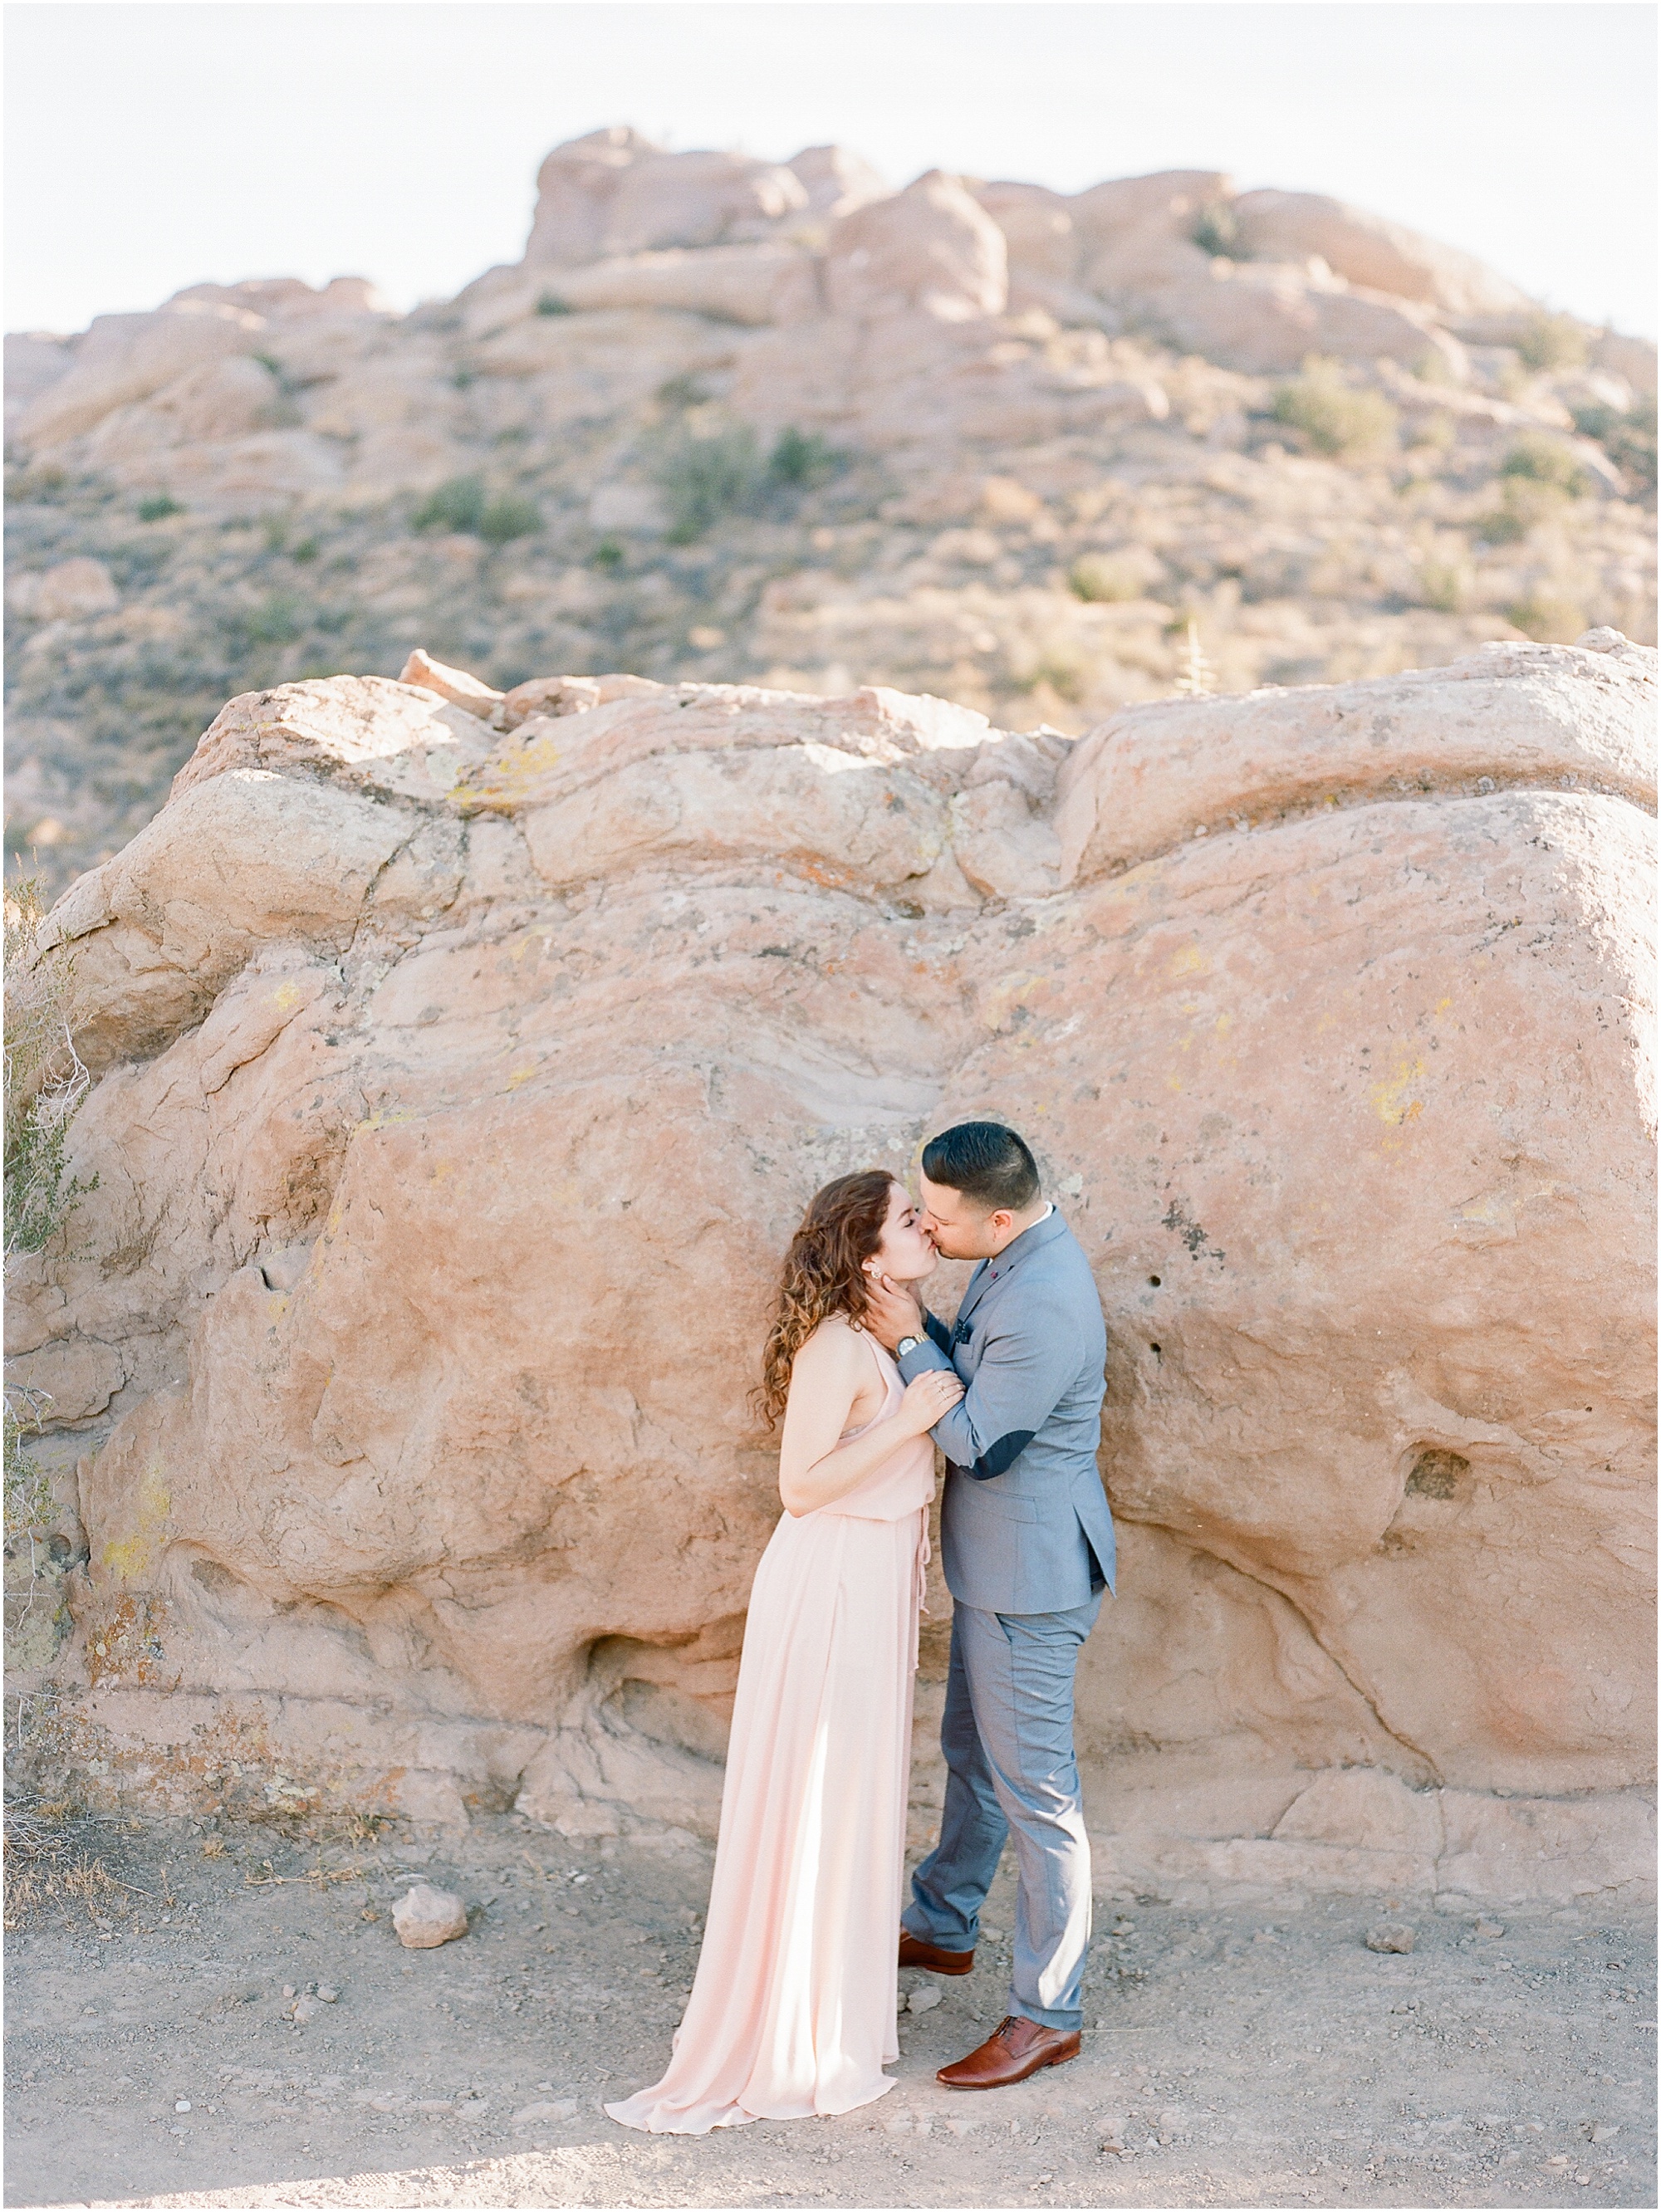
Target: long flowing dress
{"x": 792, "y": 2009}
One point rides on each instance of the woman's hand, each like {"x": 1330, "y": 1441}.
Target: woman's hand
{"x": 934, "y": 1393}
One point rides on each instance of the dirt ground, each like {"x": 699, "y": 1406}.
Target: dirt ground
{"x": 1246, "y": 2055}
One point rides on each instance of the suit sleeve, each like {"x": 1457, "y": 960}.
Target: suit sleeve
{"x": 1024, "y": 1369}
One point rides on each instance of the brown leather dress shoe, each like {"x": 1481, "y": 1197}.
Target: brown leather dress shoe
{"x": 913, "y": 1952}
{"x": 1015, "y": 2048}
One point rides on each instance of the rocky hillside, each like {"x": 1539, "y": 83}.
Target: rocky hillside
{"x": 730, "y": 420}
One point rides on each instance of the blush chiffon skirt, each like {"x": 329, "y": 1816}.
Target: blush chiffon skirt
{"x": 792, "y": 2010}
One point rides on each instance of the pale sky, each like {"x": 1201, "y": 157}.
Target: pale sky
{"x": 150, "y": 147}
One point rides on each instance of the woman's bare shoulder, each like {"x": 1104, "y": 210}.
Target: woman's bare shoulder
{"x": 835, "y": 1343}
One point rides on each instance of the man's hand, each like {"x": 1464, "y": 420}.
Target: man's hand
{"x": 892, "y": 1313}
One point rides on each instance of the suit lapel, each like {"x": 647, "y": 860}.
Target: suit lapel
{"x": 982, "y": 1274}
{"x": 977, "y": 1284}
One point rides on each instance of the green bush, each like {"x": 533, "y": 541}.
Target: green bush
{"x": 1629, "y": 438}
{"x": 509, "y": 517}
{"x": 1444, "y": 585}
{"x": 552, "y": 304}
{"x": 685, "y": 391}
{"x": 1107, "y": 577}
{"x": 801, "y": 459}
{"x": 157, "y": 508}
{"x": 1333, "y": 415}
{"x": 1552, "y": 341}
{"x": 464, "y": 506}
{"x": 1216, "y": 233}
{"x": 1525, "y": 504}
{"x": 1547, "y": 617}
{"x": 608, "y": 555}
{"x": 457, "y": 505}
{"x": 1058, "y": 667}
{"x": 44, "y": 1080}
{"x": 278, "y": 619}
{"x": 1539, "y": 458}
{"x": 701, "y": 479}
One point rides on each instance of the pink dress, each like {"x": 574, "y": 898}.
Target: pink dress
{"x": 791, "y": 2011}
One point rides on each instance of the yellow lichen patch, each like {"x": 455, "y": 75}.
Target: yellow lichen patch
{"x": 1390, "y": 1099}
{"x": 286, "y": 997}
{"x": 507, "y": 779}
{"x": 130, "y": 1558}
{"x": 520, "y": 1075}
{"x": 1000, "y": 1006}
{"x": 1188, "y": 960}
{"x": 392, "y": 1119}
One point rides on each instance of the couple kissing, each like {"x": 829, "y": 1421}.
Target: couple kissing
{"x": 793, "y": 2008}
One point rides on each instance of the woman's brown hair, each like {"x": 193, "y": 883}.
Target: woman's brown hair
{"x": 823, "y": 1274}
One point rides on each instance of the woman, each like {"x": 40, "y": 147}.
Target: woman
{"x": 792, "y": 2012}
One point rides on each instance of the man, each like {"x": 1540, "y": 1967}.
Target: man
{"x": 1027, "y": 1541}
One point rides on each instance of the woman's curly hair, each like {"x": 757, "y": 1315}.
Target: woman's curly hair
{"x": 822, "y": 1274}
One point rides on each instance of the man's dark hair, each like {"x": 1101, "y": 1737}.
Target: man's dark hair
{"x": 989, "y": 1163}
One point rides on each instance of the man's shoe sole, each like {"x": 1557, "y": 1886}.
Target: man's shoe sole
{"x": 962, "y": 1962}
{"x": 1008, "y": 2081}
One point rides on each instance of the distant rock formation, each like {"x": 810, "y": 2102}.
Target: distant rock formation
{"x": 463, "y": 1060}
{"x": 778, "y": 422}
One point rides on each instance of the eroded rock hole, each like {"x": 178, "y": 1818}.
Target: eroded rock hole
{"x": 1437, "y": 1473}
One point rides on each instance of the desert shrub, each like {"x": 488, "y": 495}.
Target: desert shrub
{"x": 307, "y": 549}
{"x": 722, "y": 472}
{"x": 1542, "y": 460}
{"x": 1547, "y": 616}
{"x": 1336, "y": 416}
{"x": 279, "y": 618}
{"x": 457, "y": 505}
{"x": 1434, "y": 367}
{"x": 509, "y": 517}
{"x": 464, "y": 506}
{"x": 1217, "y": 232}
{"x": 1629, "y": 438}
{"x": 157, "y": 508}
{"x": 1548, "y": 342}
{"x": 701, "y": 479}
{"x": 1445, "y": 585}
{"x": 1524, "y": 503}
{"x": 45, "y": 482}
{"x": 608, "y": 555}
{"x": 44, "y": 1080}
{"x": 688, "y": 389}
{"x": 552, "y": 304}
{"x": 801, "y": 459}
{"x": 1056, "y": 666}
{"x": 1107, "y": 577}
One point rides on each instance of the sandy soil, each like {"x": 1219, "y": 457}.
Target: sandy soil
{"x": 1250, "y": 2056}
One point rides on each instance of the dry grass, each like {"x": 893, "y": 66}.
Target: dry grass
{"x": 55, "y": 1867}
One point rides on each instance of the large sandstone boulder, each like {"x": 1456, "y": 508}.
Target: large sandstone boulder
{"x": 462, "y": 1069}
{"x": 121, "y": 358}
{"x": 1371, "y": 251}
{"x": 930, "y": 248}
{"x": 615, "y": 192}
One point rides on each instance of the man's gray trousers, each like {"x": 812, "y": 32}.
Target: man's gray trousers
{"x": 1007, "y": 1737}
